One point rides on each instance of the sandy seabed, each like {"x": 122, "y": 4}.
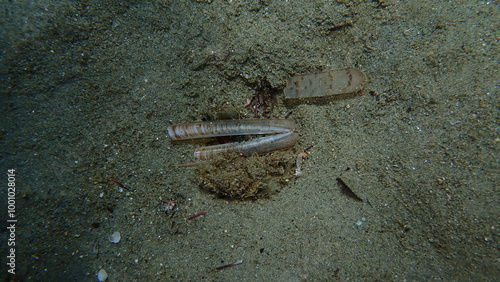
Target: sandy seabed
{"x": 89, "y": 87}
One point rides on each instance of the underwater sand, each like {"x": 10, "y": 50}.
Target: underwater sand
{"x": 89, "y": 88}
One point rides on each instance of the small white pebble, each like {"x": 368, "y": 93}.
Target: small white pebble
{"x": 102, "y": 275}
{"x": 115, "y": 237}
{"x": 360, "y": 222}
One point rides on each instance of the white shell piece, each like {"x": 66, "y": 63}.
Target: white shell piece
{"x": 115, "y": 237}
{"x": 102, "y": 275}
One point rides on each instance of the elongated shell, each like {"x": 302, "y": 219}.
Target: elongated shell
{"x": 229, "y": 127}
{"x": 258, "y": 146}
{"x": 332, "y": 82}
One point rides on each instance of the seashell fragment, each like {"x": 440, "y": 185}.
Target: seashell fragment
{"x": 332, "y": 82}
{"x": 102, "y": 275}
{"x": 115, "y": 237}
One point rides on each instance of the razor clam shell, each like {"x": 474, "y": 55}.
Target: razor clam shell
{"x": 334, "y": 82}
{"x": 229, "y": 128}
{"x": 258, "y": 146}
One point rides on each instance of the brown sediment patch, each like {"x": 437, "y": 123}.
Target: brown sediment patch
{"x": 246, "y": 178}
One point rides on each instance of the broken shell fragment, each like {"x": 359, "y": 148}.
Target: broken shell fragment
{"x": 102, "y": 275}
{"x": 115, "y": 237}
{"x": 298, "y": 163}
{"x": 334, "y": 82}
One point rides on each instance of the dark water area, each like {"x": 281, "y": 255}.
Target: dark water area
{"x": 88, "y": 89}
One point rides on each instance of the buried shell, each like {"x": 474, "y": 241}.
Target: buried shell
{"x": 334, "y": 82}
